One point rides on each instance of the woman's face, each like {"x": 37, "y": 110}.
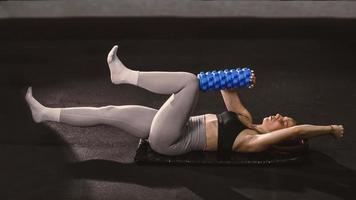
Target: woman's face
{"x": 277, "y": 122}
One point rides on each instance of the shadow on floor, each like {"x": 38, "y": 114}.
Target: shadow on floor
{"x": 319, "y": 172}
{"x": 33, "y": 157}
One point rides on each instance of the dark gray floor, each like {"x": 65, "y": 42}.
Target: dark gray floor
{"x": 308, "y": 75}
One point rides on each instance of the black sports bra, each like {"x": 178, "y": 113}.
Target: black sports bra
{"x": 229, "y": 127}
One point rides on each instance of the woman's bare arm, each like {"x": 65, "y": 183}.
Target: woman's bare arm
{"x": 261, "y": 142}
{"x": 309, "y": 131}
{"x": 233, "y": 103}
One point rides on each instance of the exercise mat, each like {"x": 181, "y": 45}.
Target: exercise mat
{"x": 284, "y": 153}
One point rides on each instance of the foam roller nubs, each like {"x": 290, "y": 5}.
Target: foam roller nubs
{"x": 225, "y": 79}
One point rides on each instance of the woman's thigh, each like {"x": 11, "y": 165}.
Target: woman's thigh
{"x": 169, "y": 125}
{"x": 134, "y": 119}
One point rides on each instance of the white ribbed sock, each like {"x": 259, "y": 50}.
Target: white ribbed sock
{"x": 119, "y": 73}
{"x": 51, "y": 114}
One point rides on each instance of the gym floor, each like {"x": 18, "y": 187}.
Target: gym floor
{"x": 304, "y": 69}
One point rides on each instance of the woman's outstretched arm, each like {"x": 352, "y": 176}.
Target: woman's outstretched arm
{"x": 252, "y": 142}
{"x": 309, "y": 131}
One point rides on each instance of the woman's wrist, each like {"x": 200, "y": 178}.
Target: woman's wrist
{"x": 331, "y": 128}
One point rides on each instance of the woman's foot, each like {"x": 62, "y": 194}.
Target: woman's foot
{"x": 37, "y": 109}
{"x": 39, "y": 112}
{"x": 119, "y": 73}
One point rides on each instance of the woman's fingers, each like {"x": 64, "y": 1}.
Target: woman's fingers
{"x": 253, "y": 79}
{"x": 337, "y": 131}
{"x": 341, "y": 129}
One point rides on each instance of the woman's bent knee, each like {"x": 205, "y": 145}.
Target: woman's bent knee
{"x": 193, "y": 83}
{"x": 191, "y": 79}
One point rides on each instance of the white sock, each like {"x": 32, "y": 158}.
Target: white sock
{"x": 119, "y": 73}
{"x": 51, "y": 114}
{"x": 39, "y": 112}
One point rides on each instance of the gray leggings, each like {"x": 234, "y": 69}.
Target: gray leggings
{"x": 167, "y": 129}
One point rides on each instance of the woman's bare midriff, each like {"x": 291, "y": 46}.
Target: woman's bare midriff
{"x": 211, "y": 132}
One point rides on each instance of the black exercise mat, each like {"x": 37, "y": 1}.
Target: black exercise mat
{"x": 145, "y": 155}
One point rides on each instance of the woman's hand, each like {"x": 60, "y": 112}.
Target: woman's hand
{"x": 337, "y": 131}
{"x": 253, "y": 78}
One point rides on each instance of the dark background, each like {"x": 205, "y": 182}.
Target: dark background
{"x": 304, "y": 69}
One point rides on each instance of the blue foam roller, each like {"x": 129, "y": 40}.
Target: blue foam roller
{"x": 225, "y": 79}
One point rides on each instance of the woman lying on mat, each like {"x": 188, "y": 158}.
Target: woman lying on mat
{"x": 172, "y": 130}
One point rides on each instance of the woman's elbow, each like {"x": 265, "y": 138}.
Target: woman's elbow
{"x": 299, "y": 130}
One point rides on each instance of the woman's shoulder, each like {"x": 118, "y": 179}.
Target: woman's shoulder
{"x": 246, "y": 133}
{"x": 236, "y": 116}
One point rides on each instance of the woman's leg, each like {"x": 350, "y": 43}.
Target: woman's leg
{"x": 169, "y": 124}
{"x": 133, "y": 119}
{"x": 168, "y": 129}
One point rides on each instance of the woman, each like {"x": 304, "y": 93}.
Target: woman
{"x": 172, "y": 130}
